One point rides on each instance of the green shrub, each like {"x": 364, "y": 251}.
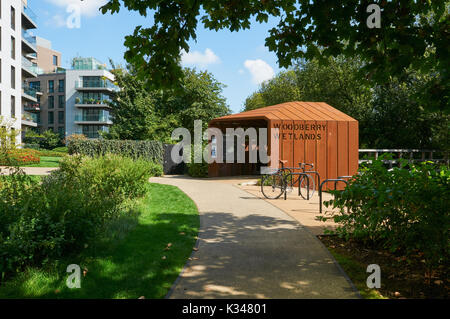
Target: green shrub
{"x": 48, "y": 153}
{"x": 404, "y": 210}
{"x": 32, "y": 146}
{"x": 198, "y": 169}
{"x": 62, "y": 149}
{"x": 156, "y": 169}
{"x": 46, "y": 140}
{"x": 148, "y": 150}
{"x": 41, "y": 222}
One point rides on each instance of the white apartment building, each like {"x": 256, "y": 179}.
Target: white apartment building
{"x": 88, "y": 89}
{"x": 17, "y": 48}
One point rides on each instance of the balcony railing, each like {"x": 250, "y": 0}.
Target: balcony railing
{"x": 28, "y": 65}
{"x": 31, "y": 39}
{"x": 92, "y": 101}
{"x": 95, "y": 84}
{"x": 29, "y": 117}
{"x": 29, "y": 91}
{"x": 30, "y": 13}
{"x": 104, "y": 118}
{"x": 92, "y": 133}
{"x": 36, "y": 87}
{"x": 32, "y": 107}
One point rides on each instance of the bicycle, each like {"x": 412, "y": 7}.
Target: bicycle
{"x": 283, "y": 180}
{"x": 275, "y": 184}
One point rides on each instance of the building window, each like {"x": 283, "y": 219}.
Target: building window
{"x": 51, "y": 86}
{"x": 13, "y": 77}
{"x": 55, "y": 60}
{"x": 50, "y": 118}
{"x": 61, "y": 86}
{"x": 13, "y": 106}
{"x": 61, "y": 131}
{"x": 61, "y": 101}
{"x": 61, "y": 117}
{"x": 51, "y": 102}
{"x": 13, "y": 18}
{"x": 13, "y": 48}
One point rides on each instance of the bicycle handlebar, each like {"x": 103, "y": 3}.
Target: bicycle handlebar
{"x": 303, "y": 165}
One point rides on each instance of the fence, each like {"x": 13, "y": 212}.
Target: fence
{"x": 413, "y": 155}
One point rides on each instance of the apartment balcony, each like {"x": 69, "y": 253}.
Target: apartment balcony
{"x": 95, "y": 86}
{"x": 29, "y": 119}
{"x": 92, "y": 103}
{"x": 98, "y": 119}
{"x": 92, "y": 133}
{"x": 28, "y": 43}
{"x": 29, "y": 94}
{"x": 29, "y": 18}
{"x": 29, "y": 70}
{"x": 32, "y": 107}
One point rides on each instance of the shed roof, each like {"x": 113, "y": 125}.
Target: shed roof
{"x": 296, "y": 111}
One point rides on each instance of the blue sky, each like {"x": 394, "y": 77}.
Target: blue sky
{"x": 239, "y": 59}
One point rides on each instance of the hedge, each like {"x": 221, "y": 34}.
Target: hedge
{"x": 148, "y": 150}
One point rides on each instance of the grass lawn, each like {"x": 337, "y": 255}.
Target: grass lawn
{"x": 143, "y": 261}
{"x": 46, "y": 161}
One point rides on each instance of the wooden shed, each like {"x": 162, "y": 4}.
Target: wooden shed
{"x": 309, "y": 132}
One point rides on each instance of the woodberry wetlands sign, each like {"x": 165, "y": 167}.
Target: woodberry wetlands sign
{"x": 300, "y": 131}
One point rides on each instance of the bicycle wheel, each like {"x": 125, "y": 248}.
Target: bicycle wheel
{"x": 272, "y": 186}
{"x": 289, "y": 180}
{"x": 307, "y": 183}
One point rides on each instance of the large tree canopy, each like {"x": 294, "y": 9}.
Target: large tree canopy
{"x": 140, "y": 113}
{"x": 412, "y": 34}
{"x": 389, "y": 115}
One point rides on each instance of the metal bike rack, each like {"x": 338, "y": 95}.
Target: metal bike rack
{"x": 307, "y": 184}
{"x": 335, "y": 180}
{"x": 318, "y": 180}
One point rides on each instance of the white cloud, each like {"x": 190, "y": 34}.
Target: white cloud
{"x": 56, "y": 21}
{"x": 88, "y": 8}
{"x": 260, "y": 70}
{"x": 199, "y": 59}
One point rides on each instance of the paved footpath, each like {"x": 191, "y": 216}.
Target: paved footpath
{"x": 248, "y": 248}
{"x": 31, "y": 170}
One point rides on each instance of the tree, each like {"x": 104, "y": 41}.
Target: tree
{"x": 8, "y": 135}
{"x": 282, "y": 88}
{"x": 389, "y": 115}
{"x": 337, "y": 83}
{"x": 200, "y": 99}
{"x": 47, "y": 140}
{"x": 133, "y": 108}
{"x": 412, "y": 34}
{"x": 398, "y": 120}
{"x": 140, "y": 113}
